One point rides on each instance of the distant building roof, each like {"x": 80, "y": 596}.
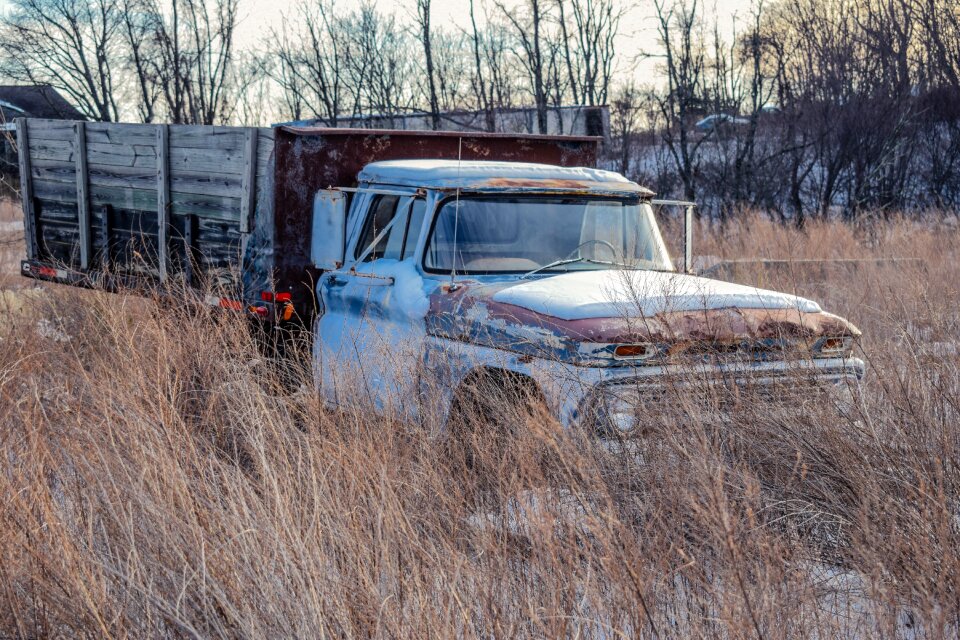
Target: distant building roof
{"x": 570, "y": 120}
{"x": 35, "y": 101}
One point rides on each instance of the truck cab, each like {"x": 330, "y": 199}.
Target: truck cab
{"x": 433, "y": 270}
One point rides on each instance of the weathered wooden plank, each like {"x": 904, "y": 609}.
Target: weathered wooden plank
{"x": 211, "y": 184}
{"x": 248, "y": 196}
{"x": 83, "y": 199}
{"x": 223, "y": 161}
{"x": 214, "y": 207}
{"x": 225, "y": 210}
{"x": 123, "y": 155}
{"x": 106, "y": 241}
{"x": 189, "y": 249}
{"x": 204, "y": 183}
{"x": 54, "y": 171}
{"x": 205, "y": 137}
{"x": 263, "y": 161}
{"x": 58, "y": 213}
{"x": 188, "y": 160}
{"x": 52, "y": 150}
{"x": 54, "y": 191}
{"x": 163, "y": 197}
{"x": 219, "y": 160}
{"x": 26, "y": 188}
{"x": 264, "y": 152}
{"x": 97, "y": 154}
{"x": 121, "y": 133}
{"x": 181, "y": 135}
{"x": 41, "y": 129}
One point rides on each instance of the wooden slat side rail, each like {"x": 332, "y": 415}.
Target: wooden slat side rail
{"x": 163, "y": 197}
{"x": 248, "y": 194}
{"x": 189, "y": 258}
{"x": 106, "y": 259}
{"x": 26, "y": 188}
{"x": 83, "y": 196}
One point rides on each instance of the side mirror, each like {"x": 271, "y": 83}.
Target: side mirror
{"x": 688, "y": 239}
{"x": 329, "y": 229}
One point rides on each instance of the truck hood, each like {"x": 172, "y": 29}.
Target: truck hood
{"x": 572, "y": 314}
{"x": 605, "y": 294}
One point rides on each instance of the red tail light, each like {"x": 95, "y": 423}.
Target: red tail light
{"x": 283, "y": 297}
{"x": 227, "y": 303}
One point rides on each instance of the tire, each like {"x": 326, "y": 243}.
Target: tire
{"x": 488, "y": 416}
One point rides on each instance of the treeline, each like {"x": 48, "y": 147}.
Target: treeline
{"x": 800, "y": 108}
{"x": 833, "y": 108}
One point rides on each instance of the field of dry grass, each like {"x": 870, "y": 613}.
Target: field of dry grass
{"x": 157, "y": 479}
{"x": 11, "y": 240}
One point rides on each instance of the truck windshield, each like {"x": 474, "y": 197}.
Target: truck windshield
{"x": 524, "y": 234}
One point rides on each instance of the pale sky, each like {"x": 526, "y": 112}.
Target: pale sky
{"x": 638, "y": 29}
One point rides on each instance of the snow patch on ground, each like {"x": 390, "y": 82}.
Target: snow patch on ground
{"x": 522, "y": 513}
{"x": 46, "y": 329}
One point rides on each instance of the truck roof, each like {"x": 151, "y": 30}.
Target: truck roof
{"x": 481, "y": 175}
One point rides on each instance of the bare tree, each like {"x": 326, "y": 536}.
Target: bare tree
{"x": 194, "y": 58}
{"x": 484, "y": 97}
{"x": 681, "y": 40}
{"x": 452, "y": 70}
{"x": 739, "y": 87}
{"x": 941, "y": 38}
{"x": 378, "y": 64}
{"x": 310, "y": 68}
{"x": 423, "y": 21}
{"x": 493, "y": 79}
{"x": 211, "y": 24}
{"x": 625, "y": 122}
{"x": 139, "y": 28}
{"x": 529, "y": 29}
{"x": 596, "y": 25}
{"x": 72, "y": 45}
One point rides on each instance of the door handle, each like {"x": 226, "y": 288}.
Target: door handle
{"x": 366, "y": 279}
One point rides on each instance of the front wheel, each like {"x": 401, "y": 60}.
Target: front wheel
{"x": 489, "y": 426}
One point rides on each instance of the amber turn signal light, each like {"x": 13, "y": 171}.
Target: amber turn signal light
{"x": 634, "y": 351}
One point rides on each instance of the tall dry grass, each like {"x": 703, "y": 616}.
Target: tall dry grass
{"x": 160, "y": 478}
{"x": 11, "y": 240}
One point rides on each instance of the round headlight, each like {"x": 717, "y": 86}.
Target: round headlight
{"x": 834, "y": 346}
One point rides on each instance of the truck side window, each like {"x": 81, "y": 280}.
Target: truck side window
{"x": 380, "y": 215}
{"x": 414, "y": 226}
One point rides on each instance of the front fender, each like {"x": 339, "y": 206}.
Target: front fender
{"x": 447, "y": 363}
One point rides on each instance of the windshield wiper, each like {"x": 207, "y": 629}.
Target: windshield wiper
{"x": 560, "y": 263}
{"x": 550, "y": 265}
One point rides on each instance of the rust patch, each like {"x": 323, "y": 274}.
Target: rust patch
{"x": 562, "y": 184}
{"x": 542, "y": 184}
{"x": 710, "y": 327}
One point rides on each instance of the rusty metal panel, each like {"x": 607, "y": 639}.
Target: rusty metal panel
{"x": 309, "y": 159}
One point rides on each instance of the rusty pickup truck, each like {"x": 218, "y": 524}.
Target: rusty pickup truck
{"x": 418, "y": 260}
{"x": 556, "y": 278}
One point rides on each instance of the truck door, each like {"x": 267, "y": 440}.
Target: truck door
{"x": 370, "y": 337}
